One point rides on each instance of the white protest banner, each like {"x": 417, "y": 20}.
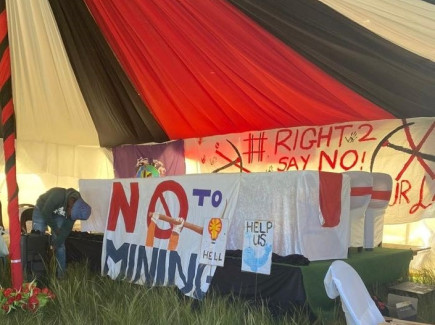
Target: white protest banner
{"x": 155, "y": 226}
{"x": 404, "y": 149}
{"x": 176, "y": 207}
{"x": 257, "y": 246}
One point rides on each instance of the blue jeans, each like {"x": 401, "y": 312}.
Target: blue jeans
{"x": 38, "y": 223}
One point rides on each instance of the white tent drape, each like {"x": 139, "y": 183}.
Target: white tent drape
{"x": 47, "y": 101}
{"x": 407, "y": 23}
{"x": 46, "y": 95}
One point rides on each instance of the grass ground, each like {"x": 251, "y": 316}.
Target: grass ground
{"x": 84, "y": 297}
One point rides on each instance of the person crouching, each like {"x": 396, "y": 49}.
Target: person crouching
{"x": 59, "y": 208}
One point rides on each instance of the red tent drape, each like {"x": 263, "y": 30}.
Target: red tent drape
{"x": 207, "y": 61}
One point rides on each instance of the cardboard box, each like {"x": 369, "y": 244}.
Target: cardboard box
{"x": 402, "y": 307}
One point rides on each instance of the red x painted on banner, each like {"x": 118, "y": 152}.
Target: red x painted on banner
{"x": 236, "y": 162}
{"x": 415, "y": 150}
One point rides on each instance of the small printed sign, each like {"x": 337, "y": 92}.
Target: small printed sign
{"x": 214, "y": 240}
{"x": 257, "y": 246}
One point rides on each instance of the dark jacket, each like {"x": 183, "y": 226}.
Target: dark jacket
{"x": 52, "y": 203}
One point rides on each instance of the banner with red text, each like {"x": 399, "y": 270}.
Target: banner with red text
{"x": 402, "y": 148}
{"x": 155, "y": 226}
{"x": 310, "y": 211}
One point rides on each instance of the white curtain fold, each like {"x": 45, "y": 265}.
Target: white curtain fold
{"x": 57, "y": 143}
{"x": 41, "y": 166}
{"x": 407, "y": 23}
{"x": 49, "y": 106}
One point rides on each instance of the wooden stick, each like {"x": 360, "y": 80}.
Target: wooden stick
{"x": 188, "y": 225}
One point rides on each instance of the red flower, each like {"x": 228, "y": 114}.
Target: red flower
{"x": 33, "y": 300}
{"x": 7, "y": 292}
{"x": 29, "y": 297}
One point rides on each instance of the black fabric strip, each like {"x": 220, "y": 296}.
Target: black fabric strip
{"x": 393, "y": 78}
{"x": 6, "y": 92}
{"x": 9, "y": 127}
{"x": 9, "y": 163}
{"x": 3, "y": 46}
{"x": 119, "y": 114}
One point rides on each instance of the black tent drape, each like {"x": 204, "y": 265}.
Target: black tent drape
{"x": 391, "y": 77}
{"x": 119, "y": 114}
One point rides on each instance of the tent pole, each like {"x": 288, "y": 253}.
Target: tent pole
{"x": 8, "y": 132}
